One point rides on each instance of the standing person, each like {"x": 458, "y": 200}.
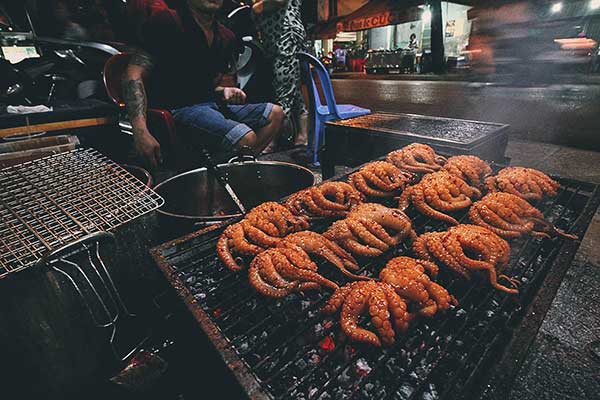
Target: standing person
{"x": 187, "y": 53}
{"x": 413, "y": 43}
{"x": 283, "y": 37}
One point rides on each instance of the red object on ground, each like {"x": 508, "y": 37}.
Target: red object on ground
{"x": 327, "y": 344}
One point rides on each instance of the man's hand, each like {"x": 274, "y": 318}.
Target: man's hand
{"x": 147, "y": 147}
{"x": 232, "y": 95}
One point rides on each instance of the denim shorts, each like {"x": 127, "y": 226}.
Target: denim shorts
{"x": 225, "y": 124}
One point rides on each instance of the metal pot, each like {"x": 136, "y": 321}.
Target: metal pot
{"x": 195, "y": 199}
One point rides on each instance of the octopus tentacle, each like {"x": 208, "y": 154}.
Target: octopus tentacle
{"x": 314, "y": 243}
{"x": 397, "y": 309}
{"x": 380, "y": 315}
{"x": 354, "y": 305}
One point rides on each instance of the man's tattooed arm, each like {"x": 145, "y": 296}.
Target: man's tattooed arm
{"x": 134, "y": 92}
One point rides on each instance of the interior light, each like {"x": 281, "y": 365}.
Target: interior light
{"x": 556, "y": 7}
{"x": 426, "y": 16}
{"x": 594, "y": 4}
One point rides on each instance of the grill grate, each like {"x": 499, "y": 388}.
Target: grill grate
{"x": 53, "y": 201}
{"x": 287, "y": 349}
{"x": 433, "y": 128}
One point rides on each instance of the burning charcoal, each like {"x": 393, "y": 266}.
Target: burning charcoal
{"x": 405, "y": 391}
{"x": 327, "y": 344}
{"x": 344, "y": 377}
{"x": 362, "y": 367}
{"x": 200, "y": 296}
{"x": 327, "y": 324}
{"x": 319, "y": 329}
{"x": 315, "y": 358}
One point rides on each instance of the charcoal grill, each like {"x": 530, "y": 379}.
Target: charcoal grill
{"x": 357, "y": 140}
{"x": 285, "y": 349}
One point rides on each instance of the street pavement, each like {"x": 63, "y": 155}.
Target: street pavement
{"x": 564, "y": 114}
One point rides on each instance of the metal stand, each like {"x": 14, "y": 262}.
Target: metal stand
{"x": 109, "y": 309}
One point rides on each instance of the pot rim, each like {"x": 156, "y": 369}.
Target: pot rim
{"x": 215, "y": 218}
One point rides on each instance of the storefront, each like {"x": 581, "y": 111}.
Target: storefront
{"x": 387, "y": 25}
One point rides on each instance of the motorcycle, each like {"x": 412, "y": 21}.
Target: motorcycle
{"x": 253, "y": 70}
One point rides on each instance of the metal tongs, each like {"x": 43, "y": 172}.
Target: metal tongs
{"x": 216, "y": 172}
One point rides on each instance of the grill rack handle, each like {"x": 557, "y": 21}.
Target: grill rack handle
{"x": 110, "y": 315}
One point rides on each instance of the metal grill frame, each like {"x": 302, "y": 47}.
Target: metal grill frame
{"x": 51, "y": 202}
{"x": 488, "y": 383}
{"x": 359, "y": 124}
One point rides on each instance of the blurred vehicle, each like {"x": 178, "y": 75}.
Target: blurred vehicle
{"x": 517, "y": 38}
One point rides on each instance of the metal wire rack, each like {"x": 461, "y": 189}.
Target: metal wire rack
{"x": 53, "y": 201}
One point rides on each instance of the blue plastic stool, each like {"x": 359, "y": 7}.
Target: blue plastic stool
{"x": 319, "y": 113}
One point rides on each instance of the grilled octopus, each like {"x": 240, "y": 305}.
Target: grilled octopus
{"x": 470, "y": 169}
{"x": 330, "y": 199}
{"x": 380, "y": 179}
{"x": 371, "y": 229}
{"x": 281, "y": 271}
{"x": 438, "y": 193}
{"x": 510, "y": 216}
{"x": 386, "y": 308}
{"x": 407, "y": 276}
{"x": 417, "y": 158}
{"x": 261, "y": 228}
{"x": 317, "y": 244}
{"x": 466, "y": 248}
{"x": 527, "y": 183}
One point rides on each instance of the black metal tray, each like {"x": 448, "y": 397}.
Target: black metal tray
{"x": 283, "y": 348}
{"x": 357, "y": 140}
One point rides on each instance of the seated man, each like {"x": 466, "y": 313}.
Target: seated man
{"x": 187, "y": 51}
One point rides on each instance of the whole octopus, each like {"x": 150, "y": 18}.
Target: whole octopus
{"x": 370, "y": 229}
{"x": 510, "y": 216}
{"x": 470, "y": 169}
{"x": 402, "y": 283}
{"x": 380, "y": 179}
{"x": 319, "y": 245}
{"x": 416, "y": 158}
{"x": 330, "y": 199}
{"x": 466, "y": 248}
{"x": 388, "y": 311}
{"x": 437, "y": 193}
{"x": 262, "y": 228}
{"x": 527, "y": 183}
{"x": 281, "y": 271}
{"x": 408, "y": 278}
